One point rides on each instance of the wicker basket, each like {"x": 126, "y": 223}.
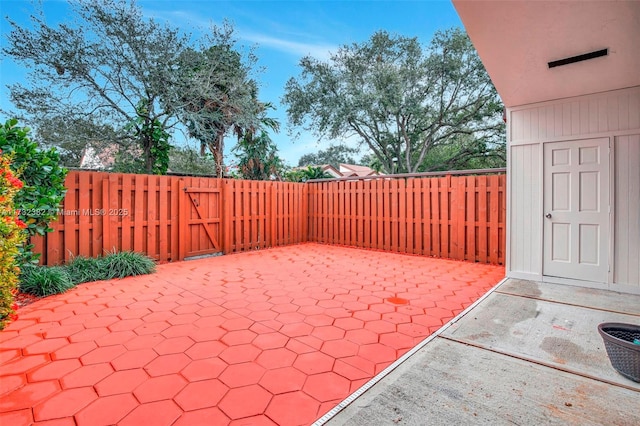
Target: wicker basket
{"x": 623, "y": 353}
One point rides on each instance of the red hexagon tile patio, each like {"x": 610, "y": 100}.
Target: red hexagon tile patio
{"x": 272, "y": 337}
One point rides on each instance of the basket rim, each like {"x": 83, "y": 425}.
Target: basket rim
{"x": 619, "y": 325}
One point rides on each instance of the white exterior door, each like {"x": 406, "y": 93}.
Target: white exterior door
{"x": 576, "y": 209}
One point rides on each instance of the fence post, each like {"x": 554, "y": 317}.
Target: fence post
{"x": 458, "y": 208}
{"x": 182, "y": 219}
{"x": 273, "y": 214}
{"x": 226, "y": 219}
{"x": 106, "y": 226}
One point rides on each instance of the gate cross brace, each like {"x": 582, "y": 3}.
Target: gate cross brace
{"x": 207, "y": 225}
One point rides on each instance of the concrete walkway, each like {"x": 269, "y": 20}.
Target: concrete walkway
{"x": 527, "y": 354}
{"x": 277, "y": 336}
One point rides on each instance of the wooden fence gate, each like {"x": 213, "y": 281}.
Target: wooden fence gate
{"x": 201, "y": 229}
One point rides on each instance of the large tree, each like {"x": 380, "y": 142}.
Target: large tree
{"x": 112, "y": 75}
{"x": 401, "y": 100}
{"x": 333, "y": 155}
{"x": 217, "y": 95}
{"x": 110, "y": 65}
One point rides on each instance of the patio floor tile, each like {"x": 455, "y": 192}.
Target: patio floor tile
{"x": 245, "y": 401}
{"x": 28, "y": 395}
{"x": 64, "y": 404}
{"x": 202, "y": 394}
{"x": 238, "y": 375}
{"x": 108, "y": 410}
{"x": 86, "y": 376}
{"x": 159, "y": 388}
{"x": 327, "y": 386}
{"x": 53, "y": 370}
{"x": 273, "y": 337}
{"x": 281, "y": 410}
{"x": 121, "y": 382}
{"x": 202, "y": 369}
{"x": 281, "y": 380}
{"x": 158, "y": 413}
{"x": 19, "y": 417}
{"x": 11, "y": 383}
{"x": 134, "y": 359}
{"x": 167, "y": 364}
{"x": 45, "y": 346}
{"x": 276, "y": 358}
{"x": 204, "y": 417}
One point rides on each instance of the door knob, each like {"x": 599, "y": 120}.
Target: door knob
{"x": 548, "y": 215}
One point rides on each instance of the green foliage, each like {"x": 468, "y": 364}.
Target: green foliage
{"x": 72, "y": 135}
{"x": 334, "y": 155}
{"x": 372, "y": 161}
{"x": 303, "y": 175}
{"x": 43, "y": 191}
{"x": 258, "y": 158}
{"x": 85, "y": 269}
{"x": 91, "y": 75}
{"x": 154, "y": 140}
{"x": 189, "y": 161}
{"x": 217, "y": 94}
{"x": 464, "y": 153}
{"x": 45, "y": 281}
{"x": 126, "y": 163}
{"x": 124, "y": 264}
{"x": 114, "y": 265}
{"x": 12, "y": 237}
{"x": 93, "y": 71}
{"x": 402, "y": 100}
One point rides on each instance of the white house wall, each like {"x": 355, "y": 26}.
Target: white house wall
{"x": 575, "y": 118}
{"x": 525, "y": 244}
{"x": 614, "y": 114}
{"x": 627, "y": 210}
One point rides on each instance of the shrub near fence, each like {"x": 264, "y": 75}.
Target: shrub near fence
{"x": 171, "y": 218}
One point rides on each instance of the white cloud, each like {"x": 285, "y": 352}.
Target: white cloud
{"x": 195, "y": 22}
{"x": 318, "y": 51}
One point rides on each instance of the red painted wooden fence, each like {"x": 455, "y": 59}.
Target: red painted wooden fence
{"x": 171, "y": 218}
{"x": 457, "y": 217}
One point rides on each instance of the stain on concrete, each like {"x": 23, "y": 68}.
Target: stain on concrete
{"x": 563, "y": 351}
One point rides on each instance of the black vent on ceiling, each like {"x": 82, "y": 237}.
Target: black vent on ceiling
{"x": 579, "y": 58}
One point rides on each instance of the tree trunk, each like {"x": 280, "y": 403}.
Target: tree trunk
{"x": 217, "y": 149}
{"x": 149, "y": 159}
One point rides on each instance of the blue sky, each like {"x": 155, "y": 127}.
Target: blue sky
{"x": 282, "y": 32}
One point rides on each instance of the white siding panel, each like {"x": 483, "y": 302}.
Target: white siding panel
{"x": 602, "y": 115}
{"x": 576, "y": 117}
{"x": 613, "y": 112}
{"x": 593, "y": 116}
{"x": 623, "y": 114}
{"x": 525, "y": 232}
{"x": 627, "y": 211}
{"x": 634, "y": 111}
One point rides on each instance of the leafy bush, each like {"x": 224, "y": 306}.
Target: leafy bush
{"x": 125, "y": 264}
{"x": 84, "y": 269}
{"x": 12, "y": 237}
{"x": 303, "y": 175}
{"x": 43, "y": 191}
{"x": 114, "y": 265}
{"x": 45, "y": 281}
